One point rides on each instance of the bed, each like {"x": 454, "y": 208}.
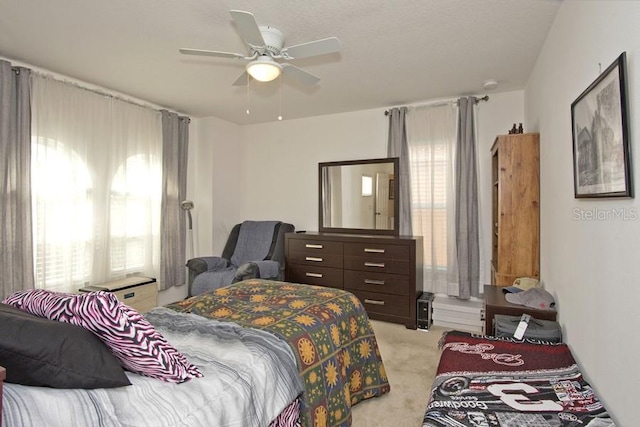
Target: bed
{"x": 328, "y": 330}
{"x": 269, "y": 353}
{"x": 486, "y": 381}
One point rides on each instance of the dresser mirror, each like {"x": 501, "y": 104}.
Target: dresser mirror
{"x": 358, "y": 196}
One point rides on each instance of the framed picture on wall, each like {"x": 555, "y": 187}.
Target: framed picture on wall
{"x": 600, "y": 129}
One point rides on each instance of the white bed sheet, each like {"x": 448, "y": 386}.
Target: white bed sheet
{"x": 250, "y": 376}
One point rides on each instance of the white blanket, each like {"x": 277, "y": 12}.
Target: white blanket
{"x": 250, "y": 376}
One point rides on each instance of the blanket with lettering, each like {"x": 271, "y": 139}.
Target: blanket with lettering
{"x": 486, "y": 381}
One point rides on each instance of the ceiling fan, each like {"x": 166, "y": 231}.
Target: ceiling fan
{"x": 266, "y": 47}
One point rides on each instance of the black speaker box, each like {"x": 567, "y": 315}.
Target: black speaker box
{"x": 424, "y": 310}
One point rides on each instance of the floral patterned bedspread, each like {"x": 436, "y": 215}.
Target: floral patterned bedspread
{"x": 328, "y": 331}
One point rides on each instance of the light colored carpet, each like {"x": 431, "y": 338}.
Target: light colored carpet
{"x": 410, "y": 359}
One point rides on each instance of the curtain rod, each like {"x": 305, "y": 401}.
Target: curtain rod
{"x": 438, "y": 103}
{"x": 100, "y": 92}
{"x": 17, "y": 65}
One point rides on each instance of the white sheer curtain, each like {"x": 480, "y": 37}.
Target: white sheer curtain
{"x": 431, "y": 137}
{"x": 96, "y": 180}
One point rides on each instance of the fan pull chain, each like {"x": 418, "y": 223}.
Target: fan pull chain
{"x": 248, "y": 80}
{"x": 280, "y": 107}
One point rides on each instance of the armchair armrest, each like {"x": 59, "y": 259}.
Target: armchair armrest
{"x": 203, "y": 264}
{"x": 207, "y": 263}
{"x": 258, "y": 269}
{"x": 248, "y": 270}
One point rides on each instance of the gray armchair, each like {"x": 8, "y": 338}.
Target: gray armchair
{"x": 254, "y": 249}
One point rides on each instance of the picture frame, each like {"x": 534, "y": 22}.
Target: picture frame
{"x": 600, "y": 133}
{"x": 392, "y": 189}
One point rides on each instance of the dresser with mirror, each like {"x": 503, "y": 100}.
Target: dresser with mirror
{"x": 358, "y": 247}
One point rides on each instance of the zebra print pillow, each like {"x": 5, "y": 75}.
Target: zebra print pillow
{"x": 130, "y": 337}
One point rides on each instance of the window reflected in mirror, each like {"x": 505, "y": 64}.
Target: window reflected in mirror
{"x": 367, "y": 185}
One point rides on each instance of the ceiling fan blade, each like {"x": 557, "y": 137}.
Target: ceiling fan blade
{"x": 248, "y": 27}
{"x": 299, "y": 74}
{"x": 318, "y": 47}
{"x": 201, "y": 52}
{"x": 241, "y": 80}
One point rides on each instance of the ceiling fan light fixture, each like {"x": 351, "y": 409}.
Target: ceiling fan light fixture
{"x": 264, "y": 69}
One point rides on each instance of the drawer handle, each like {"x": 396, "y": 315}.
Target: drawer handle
{"x": 374, "y": 264}
{"x": 312, "y": 258}
{"x": 374, "y": 301}
{"x": 373, "y": 282}
{"x": 374, "y": 251}
{"x": 318, "y": 275}
{"x": 129, "y": 295}
{"x": 312, "y": 246}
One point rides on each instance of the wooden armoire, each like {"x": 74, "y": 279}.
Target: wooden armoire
{"x": 516, "y": 208}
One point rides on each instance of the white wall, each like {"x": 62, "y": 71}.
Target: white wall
{"x": 281, "y": 161}
{"x": 216, "y": 183}
{"x": 589, "y": 265}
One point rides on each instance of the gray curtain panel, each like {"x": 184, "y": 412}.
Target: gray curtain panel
{"x": 466, "y": 181}
{"x": 175, "y": 144}
{"x": 397, "y": 147}
{"x": 326, "y": 199}
{"x": 16, "y": 239}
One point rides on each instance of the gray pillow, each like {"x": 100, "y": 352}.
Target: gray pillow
{"x": 40, "y": 352}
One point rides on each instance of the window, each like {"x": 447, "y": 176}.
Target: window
{"x": 429, "y": 165}
{"x": 96, "y": 186}
{"x": 134, "y": 200}
{"x": 367, "y": 185}
{"x": 62, "y": 215}
{"x": 431, "y": 135}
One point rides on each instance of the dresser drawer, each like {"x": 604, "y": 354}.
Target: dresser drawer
{"x": 377, "y": 265}
{"x": 316, "y": 259}
{"x": 377, "y": 250}
{"x": 393, "y": 284}
{"x": 316, "y": 247}
{"x": 382, "y": 303}
{"x": 315, "y": 275}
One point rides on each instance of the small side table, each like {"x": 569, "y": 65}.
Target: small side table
{"x": 139, "y": 293}
{"x": 496, "y": 303}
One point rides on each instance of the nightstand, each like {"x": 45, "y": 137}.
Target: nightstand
{"x": 496, "y": 303}
{"x": 139, "y": 293}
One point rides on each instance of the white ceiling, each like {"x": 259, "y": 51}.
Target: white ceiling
{"x": 394, "y": 52}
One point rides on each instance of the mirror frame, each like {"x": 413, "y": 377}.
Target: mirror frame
{"x": 396, "y": 203}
